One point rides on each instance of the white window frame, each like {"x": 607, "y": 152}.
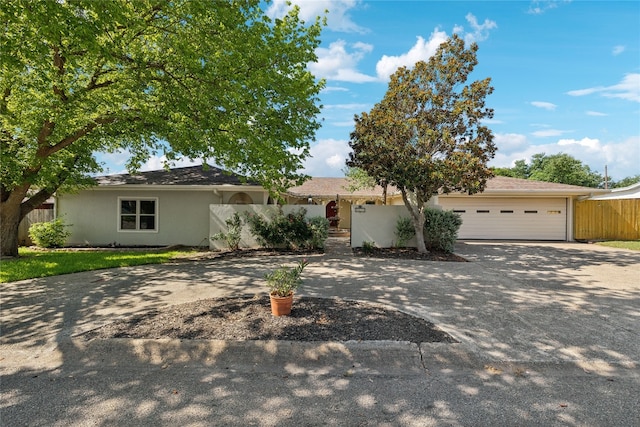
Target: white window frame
{"x": 137, "y": 200}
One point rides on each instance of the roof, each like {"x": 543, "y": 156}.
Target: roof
{"x": 630, "y": 192}
{"x": 504, "y": 183}
{"x": 329, "y": 187}
{"x": 191, "y": 175}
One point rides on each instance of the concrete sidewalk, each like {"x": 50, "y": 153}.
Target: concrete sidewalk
{"x": 549, "y": 335}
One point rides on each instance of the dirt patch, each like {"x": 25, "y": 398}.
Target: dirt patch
{"x": 250, "y": 318}
{"x": 407, "y": 253}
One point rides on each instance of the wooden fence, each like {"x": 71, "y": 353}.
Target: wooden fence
{"x": 616, "y": 219}
{"x": 43, "y": 214}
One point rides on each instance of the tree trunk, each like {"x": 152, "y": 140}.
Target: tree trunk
{"x": 419, "y": 227}
{"x": 9, "y": 223}
{"x": 417, "y": 218}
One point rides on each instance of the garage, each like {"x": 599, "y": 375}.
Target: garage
{"x": 510, "y": 218}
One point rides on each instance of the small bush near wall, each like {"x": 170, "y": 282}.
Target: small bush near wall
{"x": 233, "y": 234}
{"x": 52, "y": 234}
{"x": 404, "y": 231}
{"x": 319, "y": 232}
{"x": 441, "y": 229}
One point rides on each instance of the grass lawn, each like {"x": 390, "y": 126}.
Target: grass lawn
{"x": 34, "y": 263}
{"x": 623, "y": 244}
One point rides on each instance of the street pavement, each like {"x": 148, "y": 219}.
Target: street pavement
{"x": 549, "y": 335}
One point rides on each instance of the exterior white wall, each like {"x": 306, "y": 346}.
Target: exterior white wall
{"x": 376, "y": 224}
{"x": 182, "y": 217}
{"x": 218, "y": 214}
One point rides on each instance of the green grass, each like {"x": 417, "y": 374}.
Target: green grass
{"x": 34, "y": 263}
{"x": 622, "y": 244}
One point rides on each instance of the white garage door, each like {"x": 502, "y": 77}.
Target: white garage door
{"x": 505, "y": 218}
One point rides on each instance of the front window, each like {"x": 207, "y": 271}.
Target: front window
{"x": 138, "y": 214}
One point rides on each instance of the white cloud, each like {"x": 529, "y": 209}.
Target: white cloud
{"x": 596, "y": 114}
{"x": 337, "y": 63}
{"x": 628, "y": 88}
{"x": 421, "y": 51}
{"x": 350, "y": 107}
{"x": 480, "y": 31}
{"x": 538, "y": 7}
{"x": 546, "y": 105}
{"x": 338, "y": 18}
{"x": 617, "y": 50}
{"x": 619, "y": 156}
{"x": 327, "y": 158}
{"x": 545, "y": 133}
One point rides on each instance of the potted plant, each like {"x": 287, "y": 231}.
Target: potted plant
{"x": 282, "y": 282}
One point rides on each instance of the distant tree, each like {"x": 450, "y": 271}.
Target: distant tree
{"x": 625, "y": 182}
{"x": 565, "y": 169}
{"x": 520, "y": 170}
{"x": 561, "y": 168}
{"x": 215, "y": 80}
{"x": 503, "y": 172}
{"x": 358, "y": 179}
{"x": 426, "y": 135}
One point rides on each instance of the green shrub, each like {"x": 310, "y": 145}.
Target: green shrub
{"x": 291, "y": 231}
{"x": 234, "y": 230}
{"x": 441, "y": 229}
{"x": 368, "y": 247}
{"x": 52, "y": 234}
{"x": 404, "y": 231}
{"x": 319, "y": 232}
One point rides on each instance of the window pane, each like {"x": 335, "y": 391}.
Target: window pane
{"x": 128, "y": 222}
{"x": 147, "y": 222}
{"x": 127, "y": 206}
{"x": 148, "y": 207}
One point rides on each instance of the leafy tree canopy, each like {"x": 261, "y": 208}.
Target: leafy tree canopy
{"x": 625, "y": 182}
{"x": 215, "y": 80}
{"x": 561, "y": 168}
{"x": 426, "y": 135}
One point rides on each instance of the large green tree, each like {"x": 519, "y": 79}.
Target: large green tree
{"x": 214, "y": 80}
{"x": 561, "y": 168}
{"x": 426, "y": 135}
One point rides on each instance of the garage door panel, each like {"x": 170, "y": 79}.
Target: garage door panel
{"x": 503, "y": 218}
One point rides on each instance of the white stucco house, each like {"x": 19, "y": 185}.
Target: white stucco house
{"x": 508, "y": 209}
{"x": 156, "y": 208}
{"x": 167, "y": 207}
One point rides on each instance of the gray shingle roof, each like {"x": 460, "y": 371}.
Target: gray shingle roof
{"x": 192, "y": 175}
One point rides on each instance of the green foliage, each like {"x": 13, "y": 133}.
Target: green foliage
{"x": 285, "y": 280}
{"x": 561, "y": 168}
{"x": 404, "y": 231}
{"x": 427, "y": 133}
{"x": 358, "y": 179}
{"x": 52, "y": 234}
{"x": 291, "y": 231}
{"x": 234, "y": 230}
{"x": 625, "y": 182}
{"x": 319, "y": 232}
{"x": 176, "y": 78}
{"x": 33, "y": 263}
{"x": 368, "y": 248}
{"x": 441, "y": 229}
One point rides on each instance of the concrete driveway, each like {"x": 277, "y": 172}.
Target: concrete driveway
{"x": 549, "y": 335}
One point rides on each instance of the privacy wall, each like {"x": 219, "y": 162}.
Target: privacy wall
{"x": 218, "y": 214}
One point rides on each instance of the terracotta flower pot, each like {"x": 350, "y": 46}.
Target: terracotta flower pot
{"x": 281, "y": 306}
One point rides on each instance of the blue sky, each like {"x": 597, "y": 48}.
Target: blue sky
{"x": 566, "y": 74}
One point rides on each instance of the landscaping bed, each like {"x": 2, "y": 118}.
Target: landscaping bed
{"x": 250, "y": 318}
